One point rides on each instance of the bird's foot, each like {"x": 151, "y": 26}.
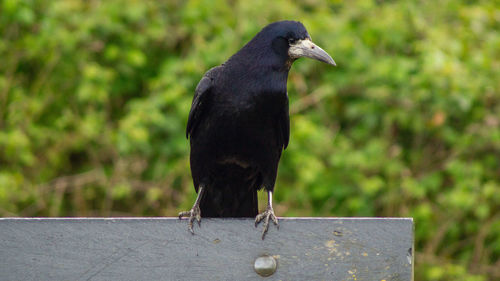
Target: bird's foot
{"x": 194, "y": 213}
{"x": 265, "y": 216}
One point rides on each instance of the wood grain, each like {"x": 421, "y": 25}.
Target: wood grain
{"x": 222, "y": 249}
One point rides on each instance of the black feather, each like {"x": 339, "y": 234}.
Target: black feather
{"x": 239, "y": 123}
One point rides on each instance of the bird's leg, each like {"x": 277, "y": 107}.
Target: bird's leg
{"x": 268, "y": 213}
{"x": 195, "y": 212}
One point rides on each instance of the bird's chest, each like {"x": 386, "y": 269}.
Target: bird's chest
{"x": 253, "y": 95}
{"x": 247, "y": 119}
{"x": 252, "y": 110}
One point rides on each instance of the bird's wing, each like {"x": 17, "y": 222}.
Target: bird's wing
{"x": 201, "y": 96}
{"x": 284, "y": 124}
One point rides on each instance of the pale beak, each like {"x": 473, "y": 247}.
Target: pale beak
{"x": 306, "y": 48}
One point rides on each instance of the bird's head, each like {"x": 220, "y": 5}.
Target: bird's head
{"x": 278, "y": 45}
{"x": 291, "y": 39}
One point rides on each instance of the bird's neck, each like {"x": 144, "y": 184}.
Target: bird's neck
{"x": 260, "y": 65}
{"x": 260, "y": 55}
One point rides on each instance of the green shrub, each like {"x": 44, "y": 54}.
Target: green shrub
{"x": 94, "y": 97}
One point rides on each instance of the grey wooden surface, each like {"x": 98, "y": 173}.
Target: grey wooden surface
{"x": 222, "y": 249}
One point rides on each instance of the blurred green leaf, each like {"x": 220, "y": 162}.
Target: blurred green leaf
{"x": 94, "y": 98}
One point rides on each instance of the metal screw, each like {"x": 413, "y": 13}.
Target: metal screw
{"x": 265, "y": 265}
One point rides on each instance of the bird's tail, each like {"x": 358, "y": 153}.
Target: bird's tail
{"x": 233, "y": 193}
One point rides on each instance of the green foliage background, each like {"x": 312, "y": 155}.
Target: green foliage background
{"x": 94, "y": 97}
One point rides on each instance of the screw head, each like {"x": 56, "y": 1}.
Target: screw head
{"x": 265, "y": 265}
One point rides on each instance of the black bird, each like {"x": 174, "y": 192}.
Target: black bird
{"x": 239, "y": 124}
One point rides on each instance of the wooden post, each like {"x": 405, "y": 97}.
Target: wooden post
{"x": 222, "y": 249}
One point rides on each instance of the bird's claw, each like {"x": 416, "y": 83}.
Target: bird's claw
{"x": 194, "y": 213}
{"x": 266, "y": 215}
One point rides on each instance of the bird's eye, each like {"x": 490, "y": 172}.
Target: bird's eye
{"x": 291, "y": 41}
